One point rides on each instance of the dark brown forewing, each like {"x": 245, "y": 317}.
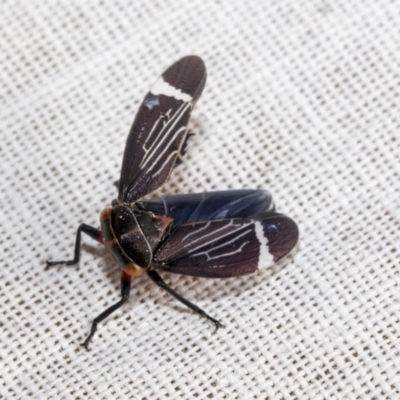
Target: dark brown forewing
{"x": 189, "y": 238}
{"x": 219, "y": 248}
{"x": 159, "y": 128}
{"x": 228, "y": 247}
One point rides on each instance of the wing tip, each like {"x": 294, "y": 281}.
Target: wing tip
{"x": 281, "y": 233}
{"x": 187, "y": 75}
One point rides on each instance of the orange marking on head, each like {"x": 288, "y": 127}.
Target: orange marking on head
{"x": 133, "y": 270}
{"x": 105, "y": 214}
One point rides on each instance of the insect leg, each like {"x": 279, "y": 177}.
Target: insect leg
{"x": 153, "y": 275}
{"x": 90, "y": 231}
{"x": 183, "y": 149}
{"x": 125, "y": 290}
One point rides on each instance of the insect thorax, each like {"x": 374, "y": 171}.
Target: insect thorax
{"x": 131, "y": 235}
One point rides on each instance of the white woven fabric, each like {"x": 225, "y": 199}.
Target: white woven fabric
{"x": 302, "y": 99}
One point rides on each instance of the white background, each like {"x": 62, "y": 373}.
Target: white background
{"x": 302, "y": 99}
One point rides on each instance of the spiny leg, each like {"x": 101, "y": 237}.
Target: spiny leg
{"x": 125, "y": 290}
{"x": 153, "y": 275}
{"x": 88, "y": 230}
{"x": 179, "y": 160}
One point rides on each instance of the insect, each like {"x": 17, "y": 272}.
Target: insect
{"x": 214, "y": 235}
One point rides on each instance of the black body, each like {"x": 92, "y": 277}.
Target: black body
{"x": 215, "y": 235}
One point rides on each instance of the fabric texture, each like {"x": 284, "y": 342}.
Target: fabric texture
{"x": 302, "y": 99}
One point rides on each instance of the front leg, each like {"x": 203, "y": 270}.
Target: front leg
{"x": 153, "y": 275}
{"x": 125, "y": 290}
{"x": 88, "y": 230}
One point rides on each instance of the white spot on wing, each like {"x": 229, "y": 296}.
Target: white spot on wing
{"x": 266, "y": 258}
{"x": 151, "y": 101}
{"x": 162, "y": 87}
